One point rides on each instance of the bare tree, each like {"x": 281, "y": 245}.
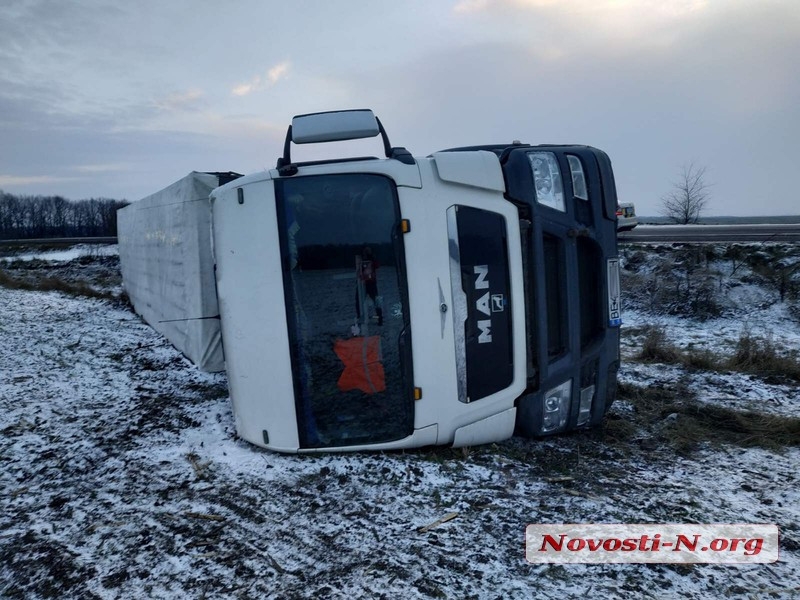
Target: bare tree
{"x": 689, "y": 195}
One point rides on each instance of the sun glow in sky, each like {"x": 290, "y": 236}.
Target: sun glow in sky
{"x": 99, "y": 98}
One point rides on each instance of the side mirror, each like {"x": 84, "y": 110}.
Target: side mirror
{"x": 336, "y": 126}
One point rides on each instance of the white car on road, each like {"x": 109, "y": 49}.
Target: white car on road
{"x": 626, "y": 217}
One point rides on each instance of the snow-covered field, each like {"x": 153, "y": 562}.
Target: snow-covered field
{"x": 66, "y": 254}
{"x": 121, "y": 477}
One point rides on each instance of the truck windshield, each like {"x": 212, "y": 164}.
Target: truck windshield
{"x": 346, "y": 308}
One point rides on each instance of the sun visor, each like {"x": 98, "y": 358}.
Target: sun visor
{"x": 479, "y": 169}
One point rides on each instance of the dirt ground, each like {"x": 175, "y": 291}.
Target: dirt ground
{"x": 121, "y": 477}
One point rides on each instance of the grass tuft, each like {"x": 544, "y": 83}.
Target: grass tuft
{"x": 760, "y": 356}
{"x": 54, "y": 284}
{"x": 672, "y": 415}
{"x": 701, "y": 359}
{"x": 755, "y": 355}
{"x": 657, "y": 348}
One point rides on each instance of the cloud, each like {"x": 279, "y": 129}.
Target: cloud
{"x": 277, "y": 72}
{"x": 651, "y": 22}
{"x": 259, "y": 82}
{"x": 474, "y": 6}
{"x": 102, "y": 168}
{"x": 181, "y": 101}
{"x": 611, "y": 7}
{"x": 243, "y": 89}
{"x": 17, "y": 180}
{"x": 469, "y": 6}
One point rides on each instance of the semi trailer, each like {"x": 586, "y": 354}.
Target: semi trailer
{"x": 401, "y": 301}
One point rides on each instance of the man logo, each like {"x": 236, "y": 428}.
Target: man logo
{"x": 498, "y": 303}
{"x": 482, "y": 303}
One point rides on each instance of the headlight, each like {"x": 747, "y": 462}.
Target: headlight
{"x": 547, "y": 179}
{"x": 585, "y": 413}
{"x": 555, "y": 411}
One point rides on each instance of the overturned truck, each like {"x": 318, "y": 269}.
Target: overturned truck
{"x": 396, "y": 302}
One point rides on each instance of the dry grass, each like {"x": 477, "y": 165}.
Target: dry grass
{"x": 54, "y": 284}
{"x": 755, "y": 355}
{"x": 699, "y": 422}
{"x": 618, "y": 431}
{"x": 672, "y": 415}
{"x": 657, "y": 348}
{"x": 701, "y": 359}
{"x": 760, "y": 356}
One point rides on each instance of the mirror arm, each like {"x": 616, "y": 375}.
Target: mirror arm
{"x": 387, "y": 147}
{"x": 401, "y": 154}
{"x": 286, "y": 159}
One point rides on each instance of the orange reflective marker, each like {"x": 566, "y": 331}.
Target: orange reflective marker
{"x": 363, "y": 369}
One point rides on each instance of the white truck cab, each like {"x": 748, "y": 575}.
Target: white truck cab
{"x": 397, "y": 302}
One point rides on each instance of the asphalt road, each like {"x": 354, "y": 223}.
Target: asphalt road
{"x": 59, "y": 241}
{"x": 712, "y": 233}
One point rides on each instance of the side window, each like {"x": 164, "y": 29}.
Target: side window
{"x": 579, "y": 189}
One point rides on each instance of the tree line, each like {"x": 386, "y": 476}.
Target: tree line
{"x": 26, "y": 217}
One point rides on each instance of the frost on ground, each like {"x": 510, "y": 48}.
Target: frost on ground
{"x": 121, "y": 477}
{"x": 61, "y": 255}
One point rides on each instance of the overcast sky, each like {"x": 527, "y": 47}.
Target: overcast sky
{"x": 121, "y": 99}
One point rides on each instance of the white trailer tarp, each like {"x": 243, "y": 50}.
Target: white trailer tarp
{"x": 167, "y": 263}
